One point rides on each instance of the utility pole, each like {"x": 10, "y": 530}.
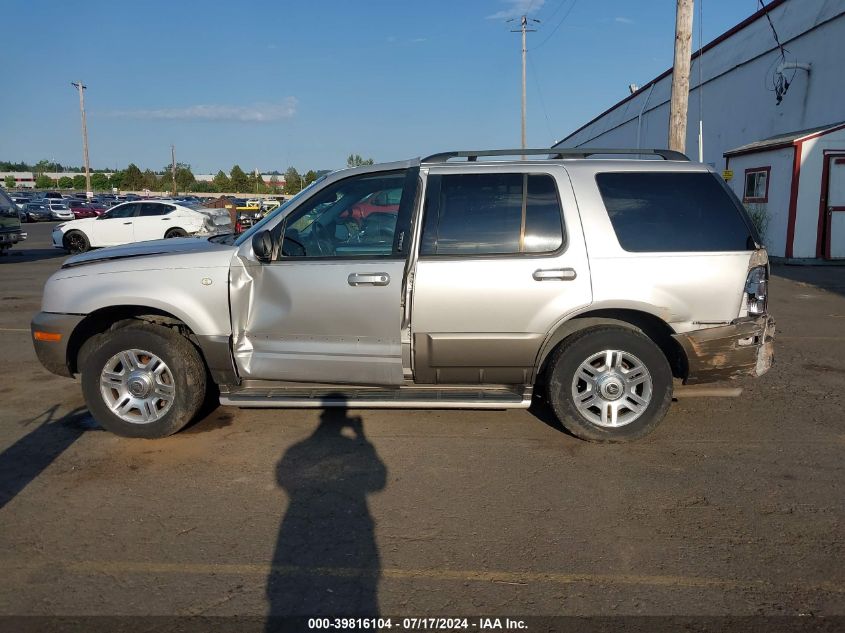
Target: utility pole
{"x": 173, "y": 167}
{"x": 524, "y": 29}
{"x": 81, "y": 87}
{"x": 680, "y": 76}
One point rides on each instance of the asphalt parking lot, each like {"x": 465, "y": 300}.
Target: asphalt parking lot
{"x": 733, "y": 506}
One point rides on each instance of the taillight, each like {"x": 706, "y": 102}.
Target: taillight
{"x": 757, "y": 290}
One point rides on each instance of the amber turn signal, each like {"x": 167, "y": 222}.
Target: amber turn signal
{"x": 53, "y": 337}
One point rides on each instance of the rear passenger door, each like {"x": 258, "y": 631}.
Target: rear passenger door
{"x": 114, "y": 227}
{"x": 501, "y": 261}
{"x": 153, "y": 221}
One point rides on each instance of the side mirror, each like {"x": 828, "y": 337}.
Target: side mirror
{"x": 262, "y": 246}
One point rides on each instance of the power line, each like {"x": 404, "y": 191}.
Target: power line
{"x": 542, "y": 101}
{"x": 557, "y": 26}
{"x": 554, "y": 13}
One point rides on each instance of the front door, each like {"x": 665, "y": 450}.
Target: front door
{"x": 501, "y": 260}
{"x": 328, "y": 307}
{"x": 114, "y": 227}
{"x": 833, "y": 204}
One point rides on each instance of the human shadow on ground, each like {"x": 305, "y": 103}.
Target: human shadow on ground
{"x": 326, "y": 560}
{"x": 27, "y": 458}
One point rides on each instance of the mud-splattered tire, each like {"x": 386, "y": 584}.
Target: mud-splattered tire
{"x": 609, "y": 384}
{"x": 142, "y": 380}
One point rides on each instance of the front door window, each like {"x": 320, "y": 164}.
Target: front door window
{"x": 355, "y": 217}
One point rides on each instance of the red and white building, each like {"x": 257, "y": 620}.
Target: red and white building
{"x": 798, "y": 179}
{"x": 781, "y": 156}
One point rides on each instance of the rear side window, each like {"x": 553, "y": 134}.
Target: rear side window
{"x": 154, "y": 208}
{"x": 666, "y": 211}
{"x": 492, "y": 214}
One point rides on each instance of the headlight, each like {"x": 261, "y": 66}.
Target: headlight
{"x": 757, "y": 290}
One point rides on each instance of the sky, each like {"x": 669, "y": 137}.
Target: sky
{"x": 268, "y": 85}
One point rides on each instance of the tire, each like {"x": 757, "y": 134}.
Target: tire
{"x": 585, "y": 390}
{"x": 169, "y": 397}
{"x": 76, "y": 242}
{"x": 175, "y": 233}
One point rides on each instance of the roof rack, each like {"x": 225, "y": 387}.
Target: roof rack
{"x": 555, "y": 153}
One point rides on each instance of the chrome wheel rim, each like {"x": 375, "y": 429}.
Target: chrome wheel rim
{"x": 137, "y": 386}
{"x": 612, "y": 388}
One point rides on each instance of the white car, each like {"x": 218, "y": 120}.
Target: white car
{"x": 139, "y": 222}
{"x": 59, "y": 209}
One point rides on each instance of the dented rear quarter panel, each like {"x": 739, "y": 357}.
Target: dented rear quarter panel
{"x": 689, "y": 291}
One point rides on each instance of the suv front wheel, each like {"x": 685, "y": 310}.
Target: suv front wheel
{"x": 142, "y": 380}
{"x": 609, "y": 384}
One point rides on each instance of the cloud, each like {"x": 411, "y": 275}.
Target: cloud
{"x": 256, "y": 113}
{"x": 392, "y": 39}
{"x": 623, "y": 20}
{"x": 516, "y": 8}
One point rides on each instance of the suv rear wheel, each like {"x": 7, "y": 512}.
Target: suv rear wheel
{"x": 609, "y": 384}
{"x": 142, "y": 380}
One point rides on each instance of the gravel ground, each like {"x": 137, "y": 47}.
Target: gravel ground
{"x": 732, "y": 507}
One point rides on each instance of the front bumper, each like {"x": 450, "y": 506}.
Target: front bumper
{"x": 743, "y": 348}
{"x": 53, "y": 354}
{"x": 11, "y": 238}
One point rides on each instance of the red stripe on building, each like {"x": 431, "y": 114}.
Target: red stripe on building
{"x": 793, "y": 198}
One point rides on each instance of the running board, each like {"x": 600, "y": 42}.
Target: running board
{"x": 380, "y": 398}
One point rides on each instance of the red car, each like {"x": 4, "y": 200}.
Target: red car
{"x": 385, "y": 201}
{"x": 85, "y": 210}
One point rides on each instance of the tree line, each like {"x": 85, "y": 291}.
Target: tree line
{"x": 133, "y": 179}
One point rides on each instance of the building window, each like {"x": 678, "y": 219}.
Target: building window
{"x": 757, "y": 184}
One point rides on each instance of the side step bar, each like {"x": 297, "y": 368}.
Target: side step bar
{"x": 380, "y": 398}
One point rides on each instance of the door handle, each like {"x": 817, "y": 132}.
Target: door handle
{"x": 368, "y": 279}
{"x": 554, "y": 274}
{"x": 125, "y": 223}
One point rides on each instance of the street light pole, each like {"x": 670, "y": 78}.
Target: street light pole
{"x": 81, "y": 87}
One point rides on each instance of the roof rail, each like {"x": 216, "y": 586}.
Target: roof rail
{"x": 555, "y": 153}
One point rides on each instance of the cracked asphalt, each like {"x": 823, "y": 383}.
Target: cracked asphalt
{"x": 732, "y": 507}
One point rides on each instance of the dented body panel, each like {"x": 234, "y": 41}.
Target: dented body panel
{"x": 743, "y": 348}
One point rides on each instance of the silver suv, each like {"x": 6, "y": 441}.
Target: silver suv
{"x": 463, "y": 280}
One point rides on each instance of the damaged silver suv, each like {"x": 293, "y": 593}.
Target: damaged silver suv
{"x": 463, "y": 280}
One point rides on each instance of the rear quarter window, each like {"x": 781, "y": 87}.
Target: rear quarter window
{"x": 673, "y": 212}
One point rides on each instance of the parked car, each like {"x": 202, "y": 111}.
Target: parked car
{"x": 20, "y": 201}
{"x": 86, "y": 210}
{"x": 50, "y": 194}
{"x": 594, "y": 283}
{"x": 59, "y": 210}
{"x": 245, "y": 220}
{"x": 386, "y": 201}
{"x": 137, "y": 222}
{"x": 37, "y": 212}
{"x": 10, "y": 223}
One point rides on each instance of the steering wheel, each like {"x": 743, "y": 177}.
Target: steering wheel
{"x": 322, "y": 239}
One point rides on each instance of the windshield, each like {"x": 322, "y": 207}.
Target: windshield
{"x": 247, "y": 235}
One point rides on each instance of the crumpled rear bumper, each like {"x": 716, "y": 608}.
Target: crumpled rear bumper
{"x": 743, "y": 348}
